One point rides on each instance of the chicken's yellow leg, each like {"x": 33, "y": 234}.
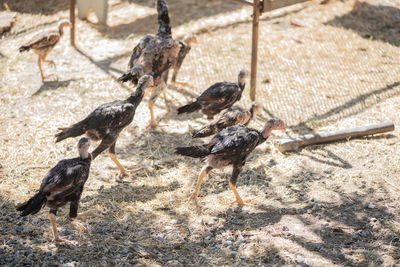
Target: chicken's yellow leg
{"x": 122, "y": 171}
{"x": 92, "y": 212}
{"x": 179, "y": 83}
{"x": 51, "y": 62}
{"x": 56, "y": 237}
{"x": 238, "y": 200}
{"x": 165, "y": 96}
{"x": 40, "y": 68}
{"x": 153, "y": 122}
{"x": 195, "y": 193}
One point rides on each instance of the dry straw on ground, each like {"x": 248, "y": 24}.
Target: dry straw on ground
{"x": 328, "y": 205}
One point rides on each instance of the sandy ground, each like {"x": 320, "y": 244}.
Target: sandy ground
{"x": 327, "y": 205}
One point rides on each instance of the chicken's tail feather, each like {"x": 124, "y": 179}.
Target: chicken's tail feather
{"x": 24, "y": 48}
{"x": 73, "y": 131}
{"x": 193, "y": 151}
{"x": 164, "y": 29}
{"x": 204, "y": 132}
{"x": 33, "y": 205}
{"x": 189, "y": 107}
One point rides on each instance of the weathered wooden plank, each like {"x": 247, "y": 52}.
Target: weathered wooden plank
{"x": 290, "y": 144}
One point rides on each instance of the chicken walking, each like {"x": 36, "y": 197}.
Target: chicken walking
{"x": 231, "y": 146}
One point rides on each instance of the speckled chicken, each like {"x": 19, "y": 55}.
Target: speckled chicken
{"x": 229, "y": 117}
{"x": 231, "y": 146}
{"x": 44, "y": 42}
{"x": 155, "y": 54}
{"x": 218, "y": 96}
{"x": 63, "y": 184}
{"x": 107, "y": 121}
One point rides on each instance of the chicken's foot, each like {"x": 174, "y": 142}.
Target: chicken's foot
{"x": 56, "y": 237}
{"x": 238, "y": 200}
{"x": 122, "y": 172}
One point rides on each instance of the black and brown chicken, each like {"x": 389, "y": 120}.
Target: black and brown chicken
{"x": 231, "y": 146}
{"x": 218, "y": 96}
{"x": 44, "y": 42}
{"x": 62, "y": 184}
{"x": 155, "y": 54}
{"x": 229, "y": 117}
{"x": 184, "y": 48}
{"x": 107, "y": 121}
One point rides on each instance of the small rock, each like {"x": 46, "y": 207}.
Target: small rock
{"x": 127, "y": 218}
{"x": 227, "y": 243}
{"x": 143, "y": 143}
{"x": 212, "y": 221}
{"x": 26, "y": 230}
{"x": 207, "y": 241}
{"x": 141, "y": 233}
{"x": 288, "y": 233}
{"x": 174, "y": 221}
{"x": 371, "y": 206}
{"x": 233, "y": 254}
{"x": 285, "y": 228}
{"x": 245, "y": 209}
{"x": 242, "y": 257}
{"x": 214, "y": 248}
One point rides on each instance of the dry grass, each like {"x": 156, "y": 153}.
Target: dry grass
{"x": 335, "y": 204}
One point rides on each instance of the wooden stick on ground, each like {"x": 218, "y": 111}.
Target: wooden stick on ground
{"x": 291, "y": 144}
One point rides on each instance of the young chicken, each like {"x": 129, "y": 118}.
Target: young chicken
{"x": 155, "y": 54}
{"x": 218, "y": 96}
{"x": 107, "y": 121}
{"x": 184, "y": 48}
{"x": 62, "y": 184}
{"x": 231, "y": 146}
{"x": 44, "y": 42}
{"x": 229, "y": 117}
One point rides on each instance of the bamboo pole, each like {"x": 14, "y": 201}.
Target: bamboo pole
{"x": 254, "y": 47}
{"x": 72, "y": 20}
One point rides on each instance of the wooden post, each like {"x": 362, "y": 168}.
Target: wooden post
{"x": 254, "y": 47}
{"x": 72, "y": 19}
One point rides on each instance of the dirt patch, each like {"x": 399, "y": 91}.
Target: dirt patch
{"x": 328, "y": 205}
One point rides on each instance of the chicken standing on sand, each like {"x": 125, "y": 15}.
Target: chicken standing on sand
{"x": 231, "y": 146}
{"x": 218, "y": 96}
{"x": 229, "y": 117}
{"x": 154, "y": 54}
{"x": 63, "y": 183}
{"x": 44, "y": 42}
{"x": 107, "y": 121}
